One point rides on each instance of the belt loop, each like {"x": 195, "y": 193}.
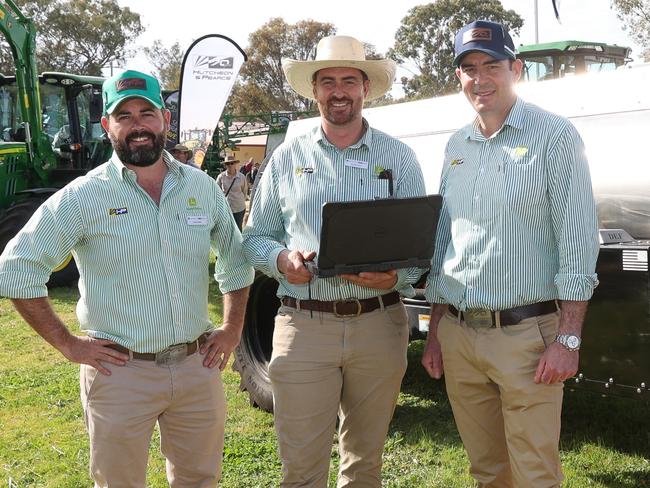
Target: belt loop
{"x": 497, "y": 319}
{"x": 459, "y": 318}
{"x": 381, "y": 303}
{"x": 298, "y": 304}
{"x": 130, "y": 355}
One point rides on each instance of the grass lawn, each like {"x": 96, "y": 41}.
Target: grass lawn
{"x": 605, "y": 442}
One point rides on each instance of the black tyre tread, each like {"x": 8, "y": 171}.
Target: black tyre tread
{"x": 254, "y": 351}
{"x": 14, "y": 218}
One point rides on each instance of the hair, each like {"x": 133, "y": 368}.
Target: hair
{"x": 364, "y": 76}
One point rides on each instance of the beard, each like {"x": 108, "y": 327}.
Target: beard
{"x": 339, "y": 116}
{"x": 144, "y": 155}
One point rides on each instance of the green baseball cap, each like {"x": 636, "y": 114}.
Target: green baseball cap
{"x": 130, "y": 84}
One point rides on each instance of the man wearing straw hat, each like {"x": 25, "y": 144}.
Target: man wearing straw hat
{"x": 339, "y": 344}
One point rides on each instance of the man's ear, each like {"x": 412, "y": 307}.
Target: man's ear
{"x": 167, "y": 115}
{"x": 104, "y": 122}
{"x": 517, "y": 66}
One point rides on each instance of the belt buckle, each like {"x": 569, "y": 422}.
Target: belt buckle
{"x": 478, "y": 318}
{"x": 347, "y": 315}
{"x": 172, "y": 355}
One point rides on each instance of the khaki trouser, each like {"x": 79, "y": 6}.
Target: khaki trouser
{"x": 510, "y": 425}
{"x": 188, "y": 402}
{"x": 324, "y": 366}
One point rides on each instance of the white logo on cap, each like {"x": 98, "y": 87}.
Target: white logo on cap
{"x": 477, "y": 34}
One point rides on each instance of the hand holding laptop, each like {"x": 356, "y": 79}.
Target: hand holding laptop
{"x": 292, "y": 265}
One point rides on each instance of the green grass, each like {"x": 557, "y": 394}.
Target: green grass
{"x": 605, "y": 442}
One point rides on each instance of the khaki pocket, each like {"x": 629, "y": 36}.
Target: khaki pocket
{"x": 397, "y": 314}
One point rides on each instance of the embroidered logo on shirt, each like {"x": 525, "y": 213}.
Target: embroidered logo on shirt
{"x": 521, "y": 151}
{"x": 301, "y": 171}
{"x": 191, "y": 202}
{"x": 117, "y": 211}
{"x": 456, "y": 162}
{"x": 517, "y": 154}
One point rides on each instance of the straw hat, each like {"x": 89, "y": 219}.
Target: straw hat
{"x": 230, "y": 158}
{"x": 340, "y": 52}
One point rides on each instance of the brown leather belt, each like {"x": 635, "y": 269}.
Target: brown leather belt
{"x": 169, "y": 355}
{"x": 350, "y": 307}
{"x": 478, "y": 318}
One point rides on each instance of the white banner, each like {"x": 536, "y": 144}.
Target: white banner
{"x": 209, "y": 70}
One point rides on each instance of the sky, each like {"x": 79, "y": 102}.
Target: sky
{"x": 171, "y": 21}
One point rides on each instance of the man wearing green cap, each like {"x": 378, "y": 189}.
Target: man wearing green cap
{"x": 140, "y": 227}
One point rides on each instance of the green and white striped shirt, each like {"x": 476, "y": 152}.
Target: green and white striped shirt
{"x": 518, "y": 224}
{"x": 143, "y": 268}
{"x": 308, "y": 171}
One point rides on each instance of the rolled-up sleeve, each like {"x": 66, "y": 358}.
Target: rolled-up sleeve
{"x": 232, "y": 270}
{"x": 264, "y": 232}
{"x": 573, "y": 213}
{"x": 43, "y": 244}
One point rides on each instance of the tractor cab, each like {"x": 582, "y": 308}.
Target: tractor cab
{"x": 566, "y": 58}
{"x": 71, "y": 109}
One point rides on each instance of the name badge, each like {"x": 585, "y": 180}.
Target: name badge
{"x": 197, "y": 219}
{"x": 353, "y": 163}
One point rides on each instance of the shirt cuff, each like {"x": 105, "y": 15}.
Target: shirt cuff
{"x": 273, "y": 262}
{"x": 431, "y": 292}
{"x": 576, "y": 287}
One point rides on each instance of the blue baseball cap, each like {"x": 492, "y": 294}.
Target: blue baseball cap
{"x": 487, "y": 37}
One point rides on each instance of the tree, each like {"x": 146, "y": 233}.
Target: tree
{"x": 264, "y": 87}
{"x": 425, "y": 40}
{"x": 635, "y": 15}
{"x": 167, "y": 62}
{"x": 77, "y": 36}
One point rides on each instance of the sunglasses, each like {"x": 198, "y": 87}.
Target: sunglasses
{"x": 228, "y": 164}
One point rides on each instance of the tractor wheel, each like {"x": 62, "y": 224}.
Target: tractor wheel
{"x": 253, "y": 354}
{"x": 14, "y": 218}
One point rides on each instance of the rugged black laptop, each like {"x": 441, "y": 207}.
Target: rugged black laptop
{"x": 377, "y": 235}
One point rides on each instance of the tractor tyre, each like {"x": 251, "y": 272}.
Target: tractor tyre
{"x": 14, "y": 219}
{"x": 253, "y": 354}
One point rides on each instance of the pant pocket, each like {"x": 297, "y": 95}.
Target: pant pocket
{"x": 548, "y": 326}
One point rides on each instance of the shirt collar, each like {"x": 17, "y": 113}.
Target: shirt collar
{"x": 515, "y": 119}
{"x": 175, "y": 168}
{"x": 318, "y": 136}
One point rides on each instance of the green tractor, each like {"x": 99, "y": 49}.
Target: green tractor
{"x": 50, "y": 132}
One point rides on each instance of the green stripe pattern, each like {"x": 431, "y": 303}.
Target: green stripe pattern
{"x": 301, "y": 176}
{"x": 143, "y": 267}
{"x": 518, "y": 224}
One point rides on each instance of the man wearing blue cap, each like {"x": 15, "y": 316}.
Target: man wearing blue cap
{"x": 513, "y": 269}
{"x": 140, "y": 227}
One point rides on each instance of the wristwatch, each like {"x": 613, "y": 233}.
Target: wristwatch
{"x": 570, "y": 342}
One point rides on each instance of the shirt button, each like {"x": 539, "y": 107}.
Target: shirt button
{"x": 477, "y": 198}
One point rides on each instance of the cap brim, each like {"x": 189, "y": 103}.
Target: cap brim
{"x": 111, "y": 108}
{"x": 496, "y": 55}
{"x": 381, "y": 74}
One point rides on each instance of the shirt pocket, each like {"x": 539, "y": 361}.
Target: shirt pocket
{"x": 193, "y": 231}
{"x": 524, "y": 182}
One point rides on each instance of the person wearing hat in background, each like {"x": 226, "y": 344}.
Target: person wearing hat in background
{"x": 140, "y": 228}
{"x": 339, "y": 344}
{"x": 518, "y": 233}
{"x": 234, "y": 185}
{"x": 183, "y": 154}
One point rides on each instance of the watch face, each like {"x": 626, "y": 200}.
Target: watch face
{"x": 573, "y": 342}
